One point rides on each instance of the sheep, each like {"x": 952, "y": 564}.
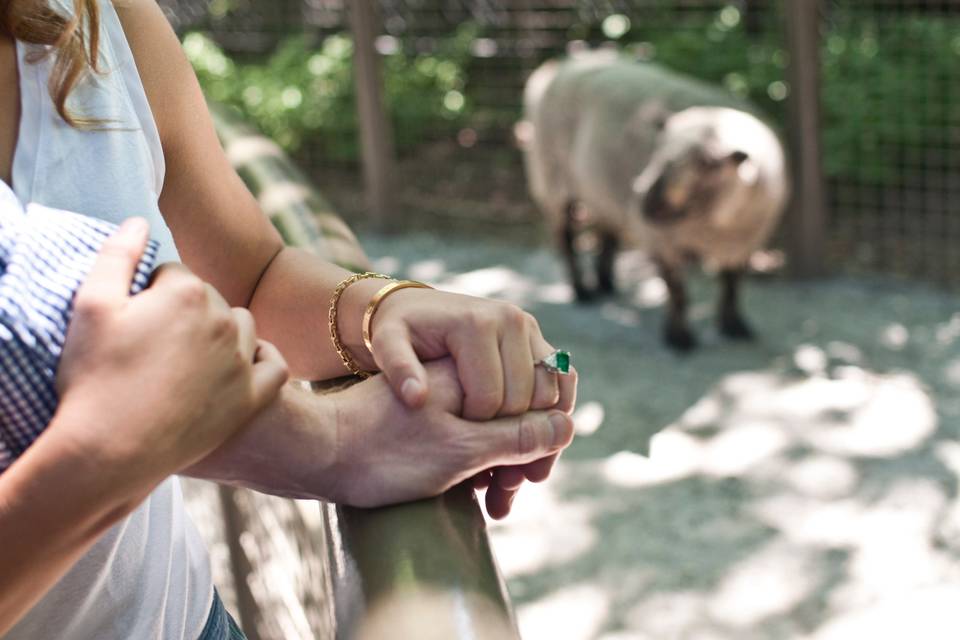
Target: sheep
{"x": 657, "y": 160}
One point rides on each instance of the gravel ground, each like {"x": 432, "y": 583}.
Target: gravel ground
{"x": 802, "y": 486}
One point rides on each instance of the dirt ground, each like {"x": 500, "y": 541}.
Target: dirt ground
{"x": 803, "y": 486}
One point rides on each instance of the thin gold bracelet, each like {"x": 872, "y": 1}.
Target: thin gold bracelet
{"x": 345, "y": 356}
{"x": 378, "y": 298}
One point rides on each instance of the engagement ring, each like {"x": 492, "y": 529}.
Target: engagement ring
{"x": 556, "y": 362}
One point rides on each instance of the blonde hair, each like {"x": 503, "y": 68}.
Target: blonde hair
{"x": 74, "y": 41}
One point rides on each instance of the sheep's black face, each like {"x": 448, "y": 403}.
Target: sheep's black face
{"x": 689, "y": 186}
{"x": 656, "y": 208}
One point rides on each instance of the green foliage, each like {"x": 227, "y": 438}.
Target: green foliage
{"x": 889, "y": 93}
{"x": 305, "y": 94}
{"x": 886, "y": 83}
{"x": 724, "y": 54}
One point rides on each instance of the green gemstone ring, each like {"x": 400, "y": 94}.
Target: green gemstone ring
{"x": 557, "y": 362}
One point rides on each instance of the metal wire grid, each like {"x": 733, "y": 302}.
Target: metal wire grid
{"x": 895, "y": 179}
{"x": 515, "y": 35}
{"x": 889, "y": 91}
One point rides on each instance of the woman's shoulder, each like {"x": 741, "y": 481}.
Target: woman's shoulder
{"x": 144, "y": 25}
{"x": 167, "y": 77}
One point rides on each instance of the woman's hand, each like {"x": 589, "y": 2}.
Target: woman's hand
{"x": 162, "y": 378}
{"x": 494, "y": 345}
{"x": 387, "y": 452}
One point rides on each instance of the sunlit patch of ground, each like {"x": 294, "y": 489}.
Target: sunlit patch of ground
{"x": 804, "y": 486}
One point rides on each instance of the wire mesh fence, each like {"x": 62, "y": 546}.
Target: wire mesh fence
{"x": 892, "y": 121}
{"x": 889, "y": 93}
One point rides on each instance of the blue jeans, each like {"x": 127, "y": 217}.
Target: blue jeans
{"x": 220, "y": 625}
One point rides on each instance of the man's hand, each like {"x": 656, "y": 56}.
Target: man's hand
{"x": 156, "y": 381}
{"x": 387, "y": 452}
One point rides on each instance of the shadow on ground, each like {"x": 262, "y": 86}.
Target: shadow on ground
{"x": 804, "y": 486}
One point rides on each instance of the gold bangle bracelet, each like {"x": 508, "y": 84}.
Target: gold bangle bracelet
{"x": 378, "y": 298}
{"x": 345, "y": 356}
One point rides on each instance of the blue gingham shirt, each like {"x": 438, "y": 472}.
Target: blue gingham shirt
{"x": 44, "y": 256}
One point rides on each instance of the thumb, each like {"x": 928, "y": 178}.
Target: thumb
{"x": 113, "y": 269}
{"x": 396, "y": 358}
{"x": 522, "y": 439}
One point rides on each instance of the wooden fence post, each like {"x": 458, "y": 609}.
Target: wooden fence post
{"x": 376, "y": 133}
{"x": 234, "y": 526}
{"x": 807, "y": 217}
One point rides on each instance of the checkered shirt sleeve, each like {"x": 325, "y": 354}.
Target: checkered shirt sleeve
{"x": 44, "y": 256}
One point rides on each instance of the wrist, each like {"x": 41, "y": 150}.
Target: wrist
{"x": 288, "y": 450}
{"x": 61, "y": 490}
{"x": 352, "y": 305}
{"x": 90, "y": 437}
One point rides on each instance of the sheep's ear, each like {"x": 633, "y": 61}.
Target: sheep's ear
{"x": 653, "y": 115}
{"x": 660, "y": 117}
{"x": 737, "y": 158}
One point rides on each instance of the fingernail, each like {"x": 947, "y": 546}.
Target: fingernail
{"x": 411, "y": 390}
{"x": 132, "y": 228}
{"x": 561, "y": 429}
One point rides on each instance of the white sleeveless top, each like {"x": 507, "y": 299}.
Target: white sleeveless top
{"x": 148, "y": 577}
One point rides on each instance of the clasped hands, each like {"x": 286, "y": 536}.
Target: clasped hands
{"x": 487, "y": 378}
{"x": 460, "y": 397}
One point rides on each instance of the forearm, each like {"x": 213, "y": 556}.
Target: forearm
{"x": 289, "y": 450}
{"x": 54, "y": 504}
{"x": 290, "y": 304}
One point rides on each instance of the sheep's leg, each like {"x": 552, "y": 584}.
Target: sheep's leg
{"x": 609, "y": 244}
{"x": 732, "y": 323}
{"x": 568, "y": 249}
{"x": 676, "y": 333}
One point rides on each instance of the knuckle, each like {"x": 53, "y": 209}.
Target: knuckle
{"x": 483, "y": 322}
{"x": 445, "y": 387}
{"x": 190, "y": 291}
{"x": 242, "y": 314}
{"x": 90, "y": 309}
{"x": 514, "y": 317}
{"x": 547, "y": 394}
{"x": 528, "y": 437}
{"x": 487, "y": 402}
{"x": 514, "y": 404}
{"x": 224, "y": 326}
{"x": 531, "y": 321}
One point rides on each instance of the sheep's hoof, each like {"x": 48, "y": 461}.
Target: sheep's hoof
{"x": 736, "y": 328}
{"x": 584, "y": 295}
{"x": 680, "y": 339}
{"x": 606, "y": 287}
